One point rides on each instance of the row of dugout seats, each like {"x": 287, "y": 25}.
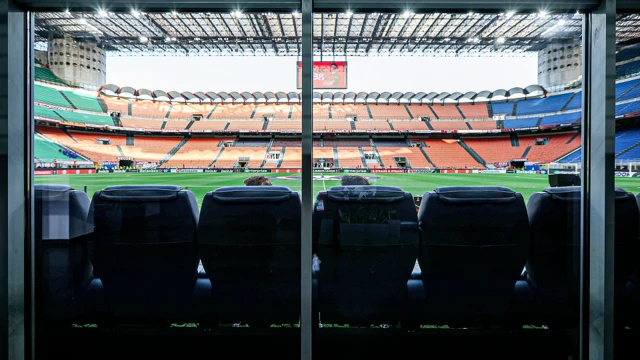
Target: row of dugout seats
{"x": 131, "y": 255}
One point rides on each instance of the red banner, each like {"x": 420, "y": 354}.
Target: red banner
{"x": 388, "y": 171}
{"x": 326, "y": 75}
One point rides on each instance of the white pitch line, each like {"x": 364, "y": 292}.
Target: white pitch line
{"x": 324, "y": 185}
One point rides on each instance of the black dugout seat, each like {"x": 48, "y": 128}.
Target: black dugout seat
{"x": 250, "y": 249}
{"x": 367, "y": 243}
{"x": 62, "y": 254}
{"x": 145, "y": 252}
{"x": 472, "y": 251}
{"x": 553, "y": 266}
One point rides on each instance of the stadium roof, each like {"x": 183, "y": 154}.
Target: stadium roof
{"x": 327, "y": 97}
{"x": 353, "y": 34}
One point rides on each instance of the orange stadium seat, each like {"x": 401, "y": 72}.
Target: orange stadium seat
{"x": 420, "y": 110}
{"x": 448, "y": 111}
{"x": 113, "y": 104}
{"x": 483, "y": 125}
{"x": 183, "y": 111}
{"x": 176, "y": 124}
{"x": 412, "y": 154}
{"x": 393, "y": 111}
{"x": 285, "y": 125}
{"x": 209, "y": 125}
{"x": 372, "y": 125}
{"x": 245, "y": 125}
{"x": 474, "y": 111}
{"x": 496, "y": 149}
{"x": 149, "y": 109}
{"x": 197, "y": 152}
{"x": 232, "y": 111}
{"x": 448, "y": 125}
{"x": 342, "y": 111}
{"x": 409, "y": 125}
{"x": 229, "y": 157}
{"x": 554, "y": 149}
{"x": 331, "y": 125}
{"x": 280, "y": 111}
{"x": 349, "y": 157}
{"x": 150, "y": 148}
{"x": 141, "y": 124}
{"x": 448, "y": 153}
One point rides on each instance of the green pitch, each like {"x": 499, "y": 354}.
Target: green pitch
{"x": 416, "y": 184}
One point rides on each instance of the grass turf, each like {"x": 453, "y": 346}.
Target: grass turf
{"x": 416, "y": 184}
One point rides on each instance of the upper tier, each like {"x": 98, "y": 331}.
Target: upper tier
{"x": 75, "y": 106}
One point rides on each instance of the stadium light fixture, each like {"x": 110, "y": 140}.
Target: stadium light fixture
{"x": 173, "y": 39}
{"x": 500, "y": 40}
{"x": 470, "y": 13}
{"x": 236, "y": 13}
{"x": 102, "y": 13}
{"x": 168, "y": 39}
{"x": 174, "y": 13}
{"x": 542, "y": 14}
{"x": 295, "y": 13}
{"x": 348, "y": 13}
{"x": 407, "y": 14}
{"x": 82, "y": 21}
{"x": 66, "y": 11}
{"x": 143, "y": 39}
{"x": 510, "y": 14}
{"x": 135, "y": 13}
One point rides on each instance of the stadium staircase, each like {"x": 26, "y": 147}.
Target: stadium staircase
{"x": 227, "y": 126}
{"x": 169, "y": 111}
{"x": 69, "y": 100}
{"x": 391, "y": 125}
{"x": 490, "y": 110}
{"x": 567, "y": 154}
{"x": 539, "y": 121}
{"x": 628, "y": 91}
{"x": 253, "y": 113}
{"x": 103, "y": 106}
{"x": 573, "y": 138}
{"x": 130, "y": 140}
{"x": 627, "y": 149}
{"x": 563, "y": 108}
{"x": 422, "y": 146}
{"x": 468, "y": 125}
{"x": 321, "y": 142}
{"x": 515, "y": 108}
{"x": 500, "y": 124}
{"x": 369, "y": 111}
{"x": 526, "y": 152}
{"x": 129, "y": 108}
{"x": 217, "y": 156}
{"x": 61, "y": 117}
{"x": 330, "y": 110}
{"x": 265, "y": 124}
{"x": 408, "y": 111}
{"x": 336, "y": 161}
{"x": 514, "y": 140}
{"x": 69, "y": 135}
{"x": 364, "y": 162}
{"x": 290, "y": 111}
{"x": 428, "y": 124}
{"x": 461, "y": 113}
{"x": 433, "y": 112}
{"x": 120, "y": 151}
{"x": 284, "y": 148}
{"x": 375, "y": 149}
{"x": 211, "y": 112}
{"x": 264, "y": 161}
{"x": 173, "y": 151}
{"x": 164, "y": 123}
{"x": 471, "y": 152}
{"x": 353, "y": 124}
{"x": 190, "y": 124}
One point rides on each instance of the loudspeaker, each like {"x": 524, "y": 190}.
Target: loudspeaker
{"x": 559, "y": 180}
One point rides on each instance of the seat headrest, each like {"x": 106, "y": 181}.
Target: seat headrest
{"x": 51, "y": 192}
{"x": 475, "y": 194}
{"x": 366, "y": 194}
{"x": 140, "y": 193}
{"x": 252, "y": 194}
{"x": 572, "y": 193}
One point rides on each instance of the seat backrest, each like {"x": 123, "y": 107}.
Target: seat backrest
{"x": 367, "y": 244}
{"x": 60, "y": 219}
{"x": 145, "y": 249}
{"x": 250, "y": 248}
{"x": 473, "y": 248}
{"x": 553, "y": 265}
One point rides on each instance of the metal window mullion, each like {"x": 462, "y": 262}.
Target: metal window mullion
{"x": 306, "y": 321}
{"x": 598, "y": 211}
